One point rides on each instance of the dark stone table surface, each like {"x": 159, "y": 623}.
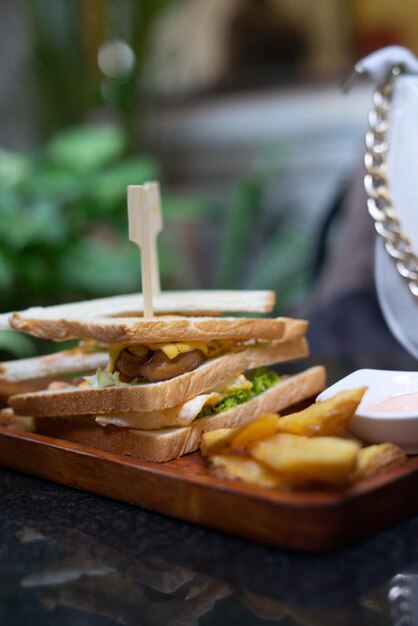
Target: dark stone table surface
{"x": 70, "y": 558}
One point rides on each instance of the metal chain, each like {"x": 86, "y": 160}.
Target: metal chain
{"x": 379, "y": 202}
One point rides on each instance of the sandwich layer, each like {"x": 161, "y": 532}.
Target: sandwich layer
{"x": 204, "y": 302}
{"x": 169, "y": 443}
{"x": 56, "y": 364}
{"x": 153, "y": 396}
{"x": 25, "y": 386}
{"x": 227, "y": 395}
{"x": 161, "y": 329}
{"x": 36, "y": 373}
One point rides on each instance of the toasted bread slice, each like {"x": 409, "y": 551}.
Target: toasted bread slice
{"x": 152, "y": 396}
{"x": 169, "y": 443}
{"x": 24, "y": 386}
{"x": 35, "y": 373}
{"x": 160, "y": 329}
{"x": 55, "y": 364}
{"x": 202, "y": 302}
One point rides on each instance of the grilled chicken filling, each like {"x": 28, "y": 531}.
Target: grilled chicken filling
{"x": 155, "y": 365}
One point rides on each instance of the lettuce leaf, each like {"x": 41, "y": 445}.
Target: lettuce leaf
{"x": 102, "y": 379}
{"x": 233, "y": 399}
{"x": 261, "y": 378}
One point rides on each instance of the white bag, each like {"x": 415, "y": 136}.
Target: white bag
{"x": 391, "y": 184}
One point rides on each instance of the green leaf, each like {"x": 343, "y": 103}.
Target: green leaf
{"x": 283, "y": 266}
{"x": 17, "y": 344}
{"x": 87, "y": 148}
{"x": 283, "y": 256}
{"x": 6, "y": 272}
{"x": 14, "y": 168}
{"x": 56, "y": 184}
{"x": 98, "y": 267}
{"x": 109, "y": 187}
{"x": 239, "y": 223}
{"x": 41, "y": 222}
{"x": 102, "y": 379}
{"x": 185, "y": 208}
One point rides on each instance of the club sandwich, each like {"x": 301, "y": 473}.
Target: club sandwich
{"x": 36, "y": 373}
{"x": 168, "y": 378}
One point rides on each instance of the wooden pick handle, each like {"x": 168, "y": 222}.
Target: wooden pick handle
{"x": 140, "y": 232}
{"x": 154, "y": 204}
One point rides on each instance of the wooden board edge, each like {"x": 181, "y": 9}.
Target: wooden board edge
{"x": 264, "y": 516}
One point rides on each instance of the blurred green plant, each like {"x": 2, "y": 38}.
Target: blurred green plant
{"x": 63, "y": 220}
{"x": 261, "y": 248}
{"x": 63, "y": 223}
{"x": 63, "y": 228}
{"x": 63, "y": 217}
{"x": 16, "y": 345}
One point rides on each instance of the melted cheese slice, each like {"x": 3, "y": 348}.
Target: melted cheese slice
{"x": 233, "y": 384}
{"x": 180, "y": 415}
{"x": 171, "y": 350}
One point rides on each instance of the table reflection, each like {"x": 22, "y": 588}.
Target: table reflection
{"x": 101, "y": 582}
{"x": 74, "y": 558}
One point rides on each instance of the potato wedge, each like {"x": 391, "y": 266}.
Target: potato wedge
{"x": 227, "y": 439}
{"x": 243, "y": 467}
{"x": 263, "y": 427}
{"x": 378, "y": 458}
{"x": 216, "y": 441}
{"x": 323, "y": 418}
{"x": 300, "y": 459}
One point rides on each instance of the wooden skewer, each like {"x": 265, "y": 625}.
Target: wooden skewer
{"x": 154, "y": 203}
{"x": 140, "y": 232}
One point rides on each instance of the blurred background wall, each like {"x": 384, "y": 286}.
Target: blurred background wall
{"x": 234, "y": 105}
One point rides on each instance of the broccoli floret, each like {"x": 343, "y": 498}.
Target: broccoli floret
{"x": 261, "y": 379}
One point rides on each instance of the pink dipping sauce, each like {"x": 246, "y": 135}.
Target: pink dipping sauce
{"x": 402, "y": 403}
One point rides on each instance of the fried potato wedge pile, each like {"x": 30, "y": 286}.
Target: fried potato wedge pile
{"x": 328, "y": 417}
{"x": 302, "y": 450}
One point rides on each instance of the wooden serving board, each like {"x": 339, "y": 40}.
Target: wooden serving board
{"x": 314, "y": 520}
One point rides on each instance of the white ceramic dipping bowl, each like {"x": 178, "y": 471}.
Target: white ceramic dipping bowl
{"x": 374, "y": 427}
